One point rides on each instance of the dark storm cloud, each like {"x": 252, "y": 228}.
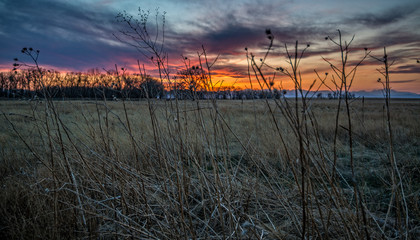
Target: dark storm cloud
{"x": 229, "y": 27}
{"x": 229, "y": 40}
{"x": 52, "y": 18}
{"x": 231, "y": 36}
{"x": 67, "y": 35}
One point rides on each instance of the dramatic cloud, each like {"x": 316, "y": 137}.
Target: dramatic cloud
{"x": 390, "y": 16}
{"x": 68, "y": 37}
{"x": 78, "y": 35}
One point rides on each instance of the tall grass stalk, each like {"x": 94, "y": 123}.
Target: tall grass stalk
{"x": 398, "y": 194}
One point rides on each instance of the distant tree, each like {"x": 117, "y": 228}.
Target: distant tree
{"x": 319, "y": 95}
{"x": 93, "y": 71}
{"x": 151, "y": 88}
{"x": 190, "y": 81}
{"x": 330, "y": 96}
{"x": 192, "y": 78}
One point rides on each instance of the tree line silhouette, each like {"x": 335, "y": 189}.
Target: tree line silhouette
{"x": 186, "y": 84}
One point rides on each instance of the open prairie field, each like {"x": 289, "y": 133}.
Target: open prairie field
{"x": 209, "y": 169}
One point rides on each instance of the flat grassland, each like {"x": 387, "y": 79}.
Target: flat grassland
{"x": 209, "y": 169}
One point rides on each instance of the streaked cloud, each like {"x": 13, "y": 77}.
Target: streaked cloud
{"x": 403, "y": 81}
{"x": 387, "y": 17}
{"x": 407, "y": 69}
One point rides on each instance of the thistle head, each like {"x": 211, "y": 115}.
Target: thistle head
{"x": 280, "y": 69}
{"x": 269, "y": 34}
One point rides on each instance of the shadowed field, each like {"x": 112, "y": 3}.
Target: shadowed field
{"x": 207, "y": 169}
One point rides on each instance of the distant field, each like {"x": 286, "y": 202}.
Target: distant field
{"x": 208, "y": 169}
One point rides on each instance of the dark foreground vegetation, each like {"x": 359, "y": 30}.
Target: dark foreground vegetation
{"x": 226, "y": 169}
{"x": 268, "y": 168}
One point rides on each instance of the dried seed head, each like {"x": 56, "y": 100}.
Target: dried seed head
{"x": 246, "y": 49}
{"x": 30, "y": 49}
{"x": 308, "y": 45}
{"x": 268, "y": 31}
{"x": 15, "y": 59}
{"x": 379, "y": 80}
{"x": 326, "y": 38}
{"x": 366, "y": 49}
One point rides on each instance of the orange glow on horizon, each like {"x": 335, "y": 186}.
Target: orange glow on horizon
{"x": 232, "y": 77}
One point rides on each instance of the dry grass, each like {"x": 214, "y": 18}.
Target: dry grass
{"x": 200, "y": 169}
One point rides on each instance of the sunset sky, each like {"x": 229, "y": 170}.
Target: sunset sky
{"x": 78, "y": 35}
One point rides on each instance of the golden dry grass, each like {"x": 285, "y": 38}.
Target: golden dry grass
{"x": 201, "y": 169}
